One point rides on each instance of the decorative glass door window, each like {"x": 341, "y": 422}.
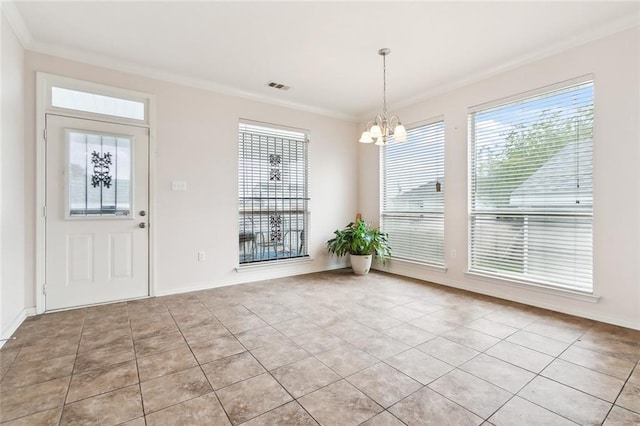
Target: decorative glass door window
{"x": 99, "y": 174}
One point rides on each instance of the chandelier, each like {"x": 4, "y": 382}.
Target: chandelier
{"x": 380, "y": 128}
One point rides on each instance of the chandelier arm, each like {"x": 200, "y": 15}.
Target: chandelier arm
{"x": 369, "y": 125}
{"x": 394, "y": 120}
{"x": 381, "y": 127}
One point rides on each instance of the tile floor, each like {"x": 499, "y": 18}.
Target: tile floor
{"x": 330, "y": 348}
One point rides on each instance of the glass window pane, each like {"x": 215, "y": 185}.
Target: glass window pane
{"x": 99, "y": 104}
{"x": 99, "y": 171}
{"x": 273, "y": 195}
{"x": 531, "y": 188}
{"x": 413, "y": 195}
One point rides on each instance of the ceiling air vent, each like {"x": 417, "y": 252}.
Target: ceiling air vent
{"x": 278, "y": 86}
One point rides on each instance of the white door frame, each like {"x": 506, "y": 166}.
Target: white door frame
{"x": 44, "y": 82}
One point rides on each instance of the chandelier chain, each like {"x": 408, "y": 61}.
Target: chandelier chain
{"x": 381, "y": 128}
{"x": 384, "y": 85}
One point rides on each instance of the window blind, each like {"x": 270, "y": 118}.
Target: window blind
{"x": 413, "y": 195}
{"x": 273, "y": 193}
{"x": 531, "y": 188}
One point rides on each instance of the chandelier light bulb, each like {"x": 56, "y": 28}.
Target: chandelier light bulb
{"x": 366, "y": 138}
{"x": 375, "y": 131}
{"x": 400, "y": 133}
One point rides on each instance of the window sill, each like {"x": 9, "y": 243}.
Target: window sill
{"x": 533, "y": 286}
{"x": 271, "y": 264}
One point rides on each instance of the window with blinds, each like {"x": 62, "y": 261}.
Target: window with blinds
{"x": 273, "y": 193}
{"x": 413, "y": 195}
{"x": 531, "y": 202}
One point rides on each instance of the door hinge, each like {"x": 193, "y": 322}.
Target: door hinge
{"x": 44, "y": 289}
{"x": 44, "y": 134}
{"x": 44, "y": 211}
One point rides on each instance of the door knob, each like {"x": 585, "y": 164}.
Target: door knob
{"x": 142, "y": 225}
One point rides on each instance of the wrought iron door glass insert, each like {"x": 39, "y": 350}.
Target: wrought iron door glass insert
{"x": 99, "y": 170}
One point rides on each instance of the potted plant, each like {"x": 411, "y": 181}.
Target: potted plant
{"x": 361, "y": 242}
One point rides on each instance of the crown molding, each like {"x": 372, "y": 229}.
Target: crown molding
{"x": 14, "y": 18}
{"x": 198, "y": 83}
{"x": 597, "y": 33}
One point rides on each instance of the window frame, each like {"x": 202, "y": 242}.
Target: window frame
{"x": 301, "y": 238}
{"x": 385, "y": 213}
{"x": 52, "y": 81}
{"x": 544, "y": 285}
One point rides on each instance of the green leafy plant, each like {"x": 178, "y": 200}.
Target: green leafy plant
{"x": 360, "y": 239}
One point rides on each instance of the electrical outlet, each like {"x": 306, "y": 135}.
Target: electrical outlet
{"x": 202, "y": 256}
{"x": 453, "y": 253}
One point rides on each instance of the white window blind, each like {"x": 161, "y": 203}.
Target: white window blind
{"x": 273, "y": 193}
{"x": 531, "y": 204}
{"x": 413, "y": 195}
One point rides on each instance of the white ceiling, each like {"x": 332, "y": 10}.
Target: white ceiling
{"x": 326, "y": 51}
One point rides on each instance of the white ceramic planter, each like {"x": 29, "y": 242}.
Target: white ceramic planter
{"x": 360, "y": 264}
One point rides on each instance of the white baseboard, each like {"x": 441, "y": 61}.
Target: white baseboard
{"x": 418, "y": 273}
{"x": 18, "y": 320}
{"x": 246, "y": 277}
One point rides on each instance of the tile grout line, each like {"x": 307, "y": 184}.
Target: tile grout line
{"x": 199, "y": 366}
{"x": 173, "y": 305}
{"x": 266, "y": 371}
{"x": 135, "y": 355}
{"x": 66, "y": 396}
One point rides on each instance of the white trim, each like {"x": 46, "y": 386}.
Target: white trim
{"x": 41, "y": 190}
{"x": 533, "y": 286}
{"x": 16, "y": 22}
{"x": 90, "y": 305}
{"x": 382, "y": 196}
{"x": 593, "y": 34}
{"x": 527, "y": 95}
{"x": 267, "y": 125}
{"x": 152, "y": 193}
{"x": 583, "y": 313}
{"x": 53, "y": 80}
{"x": 271, "y": 264}
{"x": 259, "y": 275}
{"x": 43, "y": 84}
{"x": 198, "y": 83}
{"x": 17, "y": 322}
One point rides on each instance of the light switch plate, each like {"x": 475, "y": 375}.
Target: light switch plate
{"x": 179, "y": 185}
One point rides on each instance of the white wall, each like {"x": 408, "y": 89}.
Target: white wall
{"x": 12, "y": 184}
{"x": 196, "y": 140}
{"x": 614, "y": 62}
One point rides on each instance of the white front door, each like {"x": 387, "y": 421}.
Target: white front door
{"x": 97, "y": 200}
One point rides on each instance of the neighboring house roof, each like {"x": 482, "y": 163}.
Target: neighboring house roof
{"x": 422, "y": 196}
{"x": 555, "y": 183}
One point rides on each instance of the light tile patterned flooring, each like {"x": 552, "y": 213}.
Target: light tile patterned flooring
{"x": 329, "y": 348}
